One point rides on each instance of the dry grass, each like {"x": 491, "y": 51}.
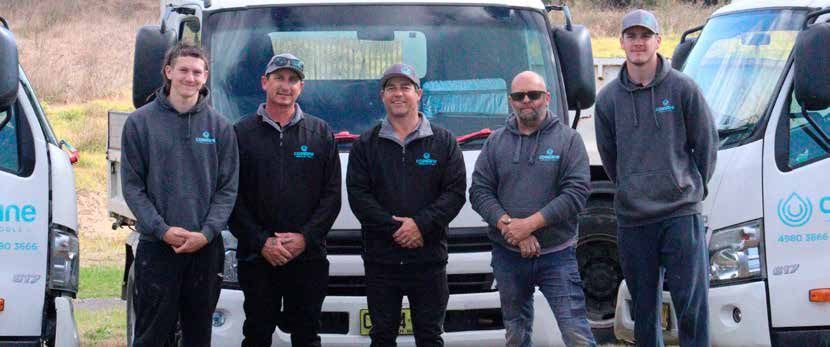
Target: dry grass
{"x": 604, "y": 23}
{"x": 78, "y": 50}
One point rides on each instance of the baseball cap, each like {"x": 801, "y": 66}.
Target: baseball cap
{"x": 400, "y": 70}
{"x": 641, "y": 18}
{"x": 285, "y": 61}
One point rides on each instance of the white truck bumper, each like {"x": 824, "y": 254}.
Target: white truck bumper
{"x": 545, "y": 330}
{"x": 749, "y": 299}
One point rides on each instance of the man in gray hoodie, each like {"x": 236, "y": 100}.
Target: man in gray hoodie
{"x": 530, "y": 181}
{"x": 657, "y": 141}
{"x": 179, "y": 164}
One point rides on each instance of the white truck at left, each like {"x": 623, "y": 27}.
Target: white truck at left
{"x": 38, "y": 216}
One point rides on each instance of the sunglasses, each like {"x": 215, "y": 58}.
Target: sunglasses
{"x": 283, "y": 61}
{"x": 533, "y": 95}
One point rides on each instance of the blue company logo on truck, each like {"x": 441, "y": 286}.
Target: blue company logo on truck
{"x": 17, "y": 213}
{"x": 795, "y": 211}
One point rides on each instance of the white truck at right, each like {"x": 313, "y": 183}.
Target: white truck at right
{"x": 764, "y": 68}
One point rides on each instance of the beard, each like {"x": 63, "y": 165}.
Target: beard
{"x": 530, "y": 117}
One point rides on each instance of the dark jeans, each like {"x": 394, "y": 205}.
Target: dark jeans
{"x": 172, "y": 287}
{"x": 289, "y": 296}
{"x": 677, "y": 245}
{"x": 557, "y": 276}
{"x": 426, "y": 288}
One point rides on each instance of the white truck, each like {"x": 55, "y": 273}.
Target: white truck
{"x": 38, "y": 216}
{"x": 763, "y": 68}
{"x": 466, "y": 52}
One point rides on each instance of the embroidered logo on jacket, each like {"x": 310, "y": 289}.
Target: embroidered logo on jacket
{"x": 206, "y": 139}
{"x": 426, "y": 161}
{"x": 549, "y": 156}
{"x": 304, "y": 153}
{"x": 667, "y": 107}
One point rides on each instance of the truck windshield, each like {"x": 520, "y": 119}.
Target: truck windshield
{"x": 737, "y": 62}
{"x": 465, "y": 57}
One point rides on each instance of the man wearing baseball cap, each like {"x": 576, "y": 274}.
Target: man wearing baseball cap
{"x": 289, "y": 197}
{"x": 406, "y": 182}
{"x": 658, "y": 143}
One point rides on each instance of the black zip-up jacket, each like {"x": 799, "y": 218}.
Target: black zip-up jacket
{"x": 423, "y": 179}
{"x": 289, "y": 181}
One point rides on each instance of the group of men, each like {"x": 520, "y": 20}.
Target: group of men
{"x": 274, "y": 179}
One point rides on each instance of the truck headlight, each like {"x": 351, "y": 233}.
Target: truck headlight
{"x": 736, "y": 253}
{"x": 229, "y": 274}
{"x": 63, "y": 260}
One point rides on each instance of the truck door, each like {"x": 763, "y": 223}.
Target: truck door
{"x": 24, "y": 220}
{"x": 796, "y": 183}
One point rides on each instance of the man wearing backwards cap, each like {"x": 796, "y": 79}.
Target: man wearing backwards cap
{"x": 406, "y": 182}
{"x": 289, "y": 197}
{"x": 658, "y": 143}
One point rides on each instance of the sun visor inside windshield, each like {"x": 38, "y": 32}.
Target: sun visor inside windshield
{"x": 461, "y": 98}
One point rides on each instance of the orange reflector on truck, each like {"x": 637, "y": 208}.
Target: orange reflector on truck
{"x": 820, "y": 295}
{"x": 2, "y": 304}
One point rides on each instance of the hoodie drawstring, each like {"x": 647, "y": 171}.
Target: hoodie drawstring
{"x": 535, "y": 148}
{"x": 189, "y": 127}
{"x": 634, "y": 109}
{"x": 518, "y": 152}
{"x": 653, "y": 111}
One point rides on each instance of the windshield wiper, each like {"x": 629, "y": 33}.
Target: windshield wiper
{"x": 723, "y": 133}
{"x": 480, "y": 134}
{"x": 345, "y": 137}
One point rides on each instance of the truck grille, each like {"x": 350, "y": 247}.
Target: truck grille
{"x": 458, "y": 283}
{"x": 455, "y": 321}
{"x": 459, "y": 240}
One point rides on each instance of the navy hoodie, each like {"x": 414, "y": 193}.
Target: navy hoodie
{"x": 658, "y": 143}
{"x": 545, "y": 172}
{"x": 179, "y": 169}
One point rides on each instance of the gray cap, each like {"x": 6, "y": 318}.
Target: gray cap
{"x": 400, "y": 70}
{"x": 285, "y": 61}
{"x": 640, "y": 18}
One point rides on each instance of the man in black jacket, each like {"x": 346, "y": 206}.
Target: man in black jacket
{"x": 289, "y": 196}
{"x": 406, "y": 182}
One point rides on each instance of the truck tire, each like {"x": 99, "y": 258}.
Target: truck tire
{"x": 175, "y": 338}
{"x": 599, "y": 264}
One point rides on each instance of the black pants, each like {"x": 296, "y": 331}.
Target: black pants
{"x": 298, "y": 286}
{"x": 172, "y": 287}
{"x": 426, "y": 288}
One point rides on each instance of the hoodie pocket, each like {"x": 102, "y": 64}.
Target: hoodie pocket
{"x": 647, "y": 191}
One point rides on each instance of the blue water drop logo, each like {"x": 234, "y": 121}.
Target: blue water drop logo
{"x": 795, "y": 211}
{"x": 550, "y": 151}
{"x": 426, "y": 155}
{"x": 665, "y": 102}
{"x": 206, "y": 134}
{"x": 304, "y": 148}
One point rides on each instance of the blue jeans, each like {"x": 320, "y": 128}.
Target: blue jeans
{"x": 677, "y": 245}
{"x": 557, "y": 276}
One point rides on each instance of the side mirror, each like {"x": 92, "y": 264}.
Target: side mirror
{"x": 151, "y": 44}
{"x": 812, "y": 65}
{"x": 9, "y": 69}
{"x": 573, "y": 46}
{"x": 681, "y": 52}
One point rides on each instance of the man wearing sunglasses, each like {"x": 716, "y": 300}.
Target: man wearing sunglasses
{"x": 289, "y": 197}
{"x": 406, "y": 182}
{"x": 530, "y": 181}
{"x": 658, "y": 143}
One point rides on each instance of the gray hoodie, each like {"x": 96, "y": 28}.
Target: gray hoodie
{"x": 545, "y": 172}
{"x": 658, "y": 143}
{"x": 179, "y": 169}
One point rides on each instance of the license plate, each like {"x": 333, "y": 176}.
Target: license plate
{"x": 405, "y": 326}
{"x": 665, "y": 313}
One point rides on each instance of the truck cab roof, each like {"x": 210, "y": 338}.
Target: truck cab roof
{"x": 744, "y": 5}
{"x": 230, "y": 4}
